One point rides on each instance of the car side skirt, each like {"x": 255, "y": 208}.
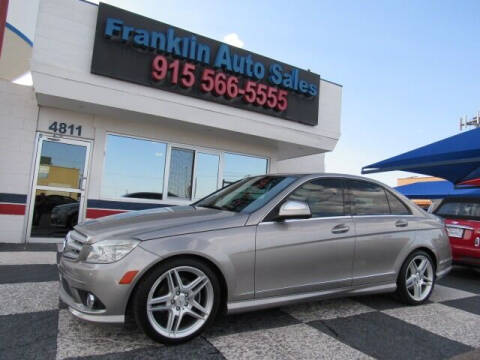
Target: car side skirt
{"x": 264, "y": 303}
{"x": 443, "y": 273}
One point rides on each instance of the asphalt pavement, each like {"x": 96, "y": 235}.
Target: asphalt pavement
{"x": 35, "y": 325}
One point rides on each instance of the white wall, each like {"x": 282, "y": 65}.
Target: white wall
{"x": 17, "y": 53}
{"x": 61, "y": 74}
{"x": 18, "y": 116}
{"x": 23, "y": 15}
{"x": 305, "y": 164}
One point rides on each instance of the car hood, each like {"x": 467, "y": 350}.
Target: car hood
{"x": 160, "y": 222}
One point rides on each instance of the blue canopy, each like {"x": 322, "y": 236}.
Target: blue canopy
{"x": 434, "y": 190}
{"x": 456, "y": 159}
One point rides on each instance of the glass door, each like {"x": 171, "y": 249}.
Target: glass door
{"x": 58, "y": 194}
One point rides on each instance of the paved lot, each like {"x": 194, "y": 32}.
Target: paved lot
{"x": 34, "y": 325}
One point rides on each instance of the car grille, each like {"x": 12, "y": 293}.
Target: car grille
{"x": 74, "y": 244}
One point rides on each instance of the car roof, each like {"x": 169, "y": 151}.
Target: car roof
{"x": 329, "y": 175}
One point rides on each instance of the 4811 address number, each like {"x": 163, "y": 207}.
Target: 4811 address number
{"x": 64, "y": 128}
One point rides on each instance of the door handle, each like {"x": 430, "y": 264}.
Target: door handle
{"x": 401, "y": 223}
{"x": 341, "y": 228}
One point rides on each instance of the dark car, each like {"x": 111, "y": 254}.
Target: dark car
{"x": 65, "y": 215}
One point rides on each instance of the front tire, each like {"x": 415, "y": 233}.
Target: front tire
{"x": 416, "y": 279}
{"x": 177, "y": 300}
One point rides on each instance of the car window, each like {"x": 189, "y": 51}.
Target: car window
{"x": 397, "y": 207}
{"x": 247, "y": 195}
{"x": 324, "y": 196}
{"x": 459, "y": 209}
{"x": 368, "y": 198}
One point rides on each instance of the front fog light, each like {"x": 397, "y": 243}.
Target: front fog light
{"x": 108, "y": 251}
{"x": 90, "y": 301}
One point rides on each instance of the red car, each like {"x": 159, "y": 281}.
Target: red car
{"x": 462, "y": 220}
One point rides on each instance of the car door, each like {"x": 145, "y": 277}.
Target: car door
{"x": 383, "y": 226}
{"x": 304, "y": 255}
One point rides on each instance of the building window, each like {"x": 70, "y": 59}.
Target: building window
{"x": 206, "y": 174}
{"x": 181, "y": 173}
{"x": 134, "y": 168}
{"x": 237, "y": 167}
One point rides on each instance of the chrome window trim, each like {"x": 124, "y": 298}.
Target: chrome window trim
{"x": 382, "y": 215}
{"x": 309, "y": 219}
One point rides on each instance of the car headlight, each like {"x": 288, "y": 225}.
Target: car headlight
{"x": 109, "y": 251}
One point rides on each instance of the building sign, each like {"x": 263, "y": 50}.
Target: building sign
{"x": 137, "y": 49}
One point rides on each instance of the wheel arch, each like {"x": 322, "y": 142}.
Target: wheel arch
{"x": 208, "y": 262}
{"x": 426, "y": 249}
{"x": 429, "y": 252}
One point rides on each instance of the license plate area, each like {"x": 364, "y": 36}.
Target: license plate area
{"x": 455, "y": 232}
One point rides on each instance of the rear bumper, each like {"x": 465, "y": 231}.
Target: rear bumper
{"x": 466, "y": 255}
{"x": 469, "y": 261}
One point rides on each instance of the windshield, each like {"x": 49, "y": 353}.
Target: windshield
{"x": 460, "y": 209}
{"x": 247, "y": 195}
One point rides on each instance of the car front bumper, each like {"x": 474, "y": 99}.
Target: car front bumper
{"x": 78, "y": 278}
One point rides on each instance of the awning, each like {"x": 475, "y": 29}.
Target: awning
{"x": 434, "y": 190}
{"x": 456, "y": 159}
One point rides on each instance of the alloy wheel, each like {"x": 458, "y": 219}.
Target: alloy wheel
{"x": 180, "y": 302}
{"x": 419, "y": 277}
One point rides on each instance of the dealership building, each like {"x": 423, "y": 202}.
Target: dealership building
{"x": 128, "y": 113}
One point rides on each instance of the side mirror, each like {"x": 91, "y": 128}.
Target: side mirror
{"x": 293, "y": 209}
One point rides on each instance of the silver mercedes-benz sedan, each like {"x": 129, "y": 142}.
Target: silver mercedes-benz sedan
{"x": 261, "y": 242}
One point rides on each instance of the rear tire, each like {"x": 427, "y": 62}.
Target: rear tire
{"x": 417, "y": 278}
{"x": 177, "y": 300}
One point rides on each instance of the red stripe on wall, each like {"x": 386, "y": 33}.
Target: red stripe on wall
{"x": 98, "y": 213}
{"x": 12, "y": 209}
{"x": 3, "y": 20}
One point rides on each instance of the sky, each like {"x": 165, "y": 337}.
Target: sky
{"x": 409, "y": 69}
